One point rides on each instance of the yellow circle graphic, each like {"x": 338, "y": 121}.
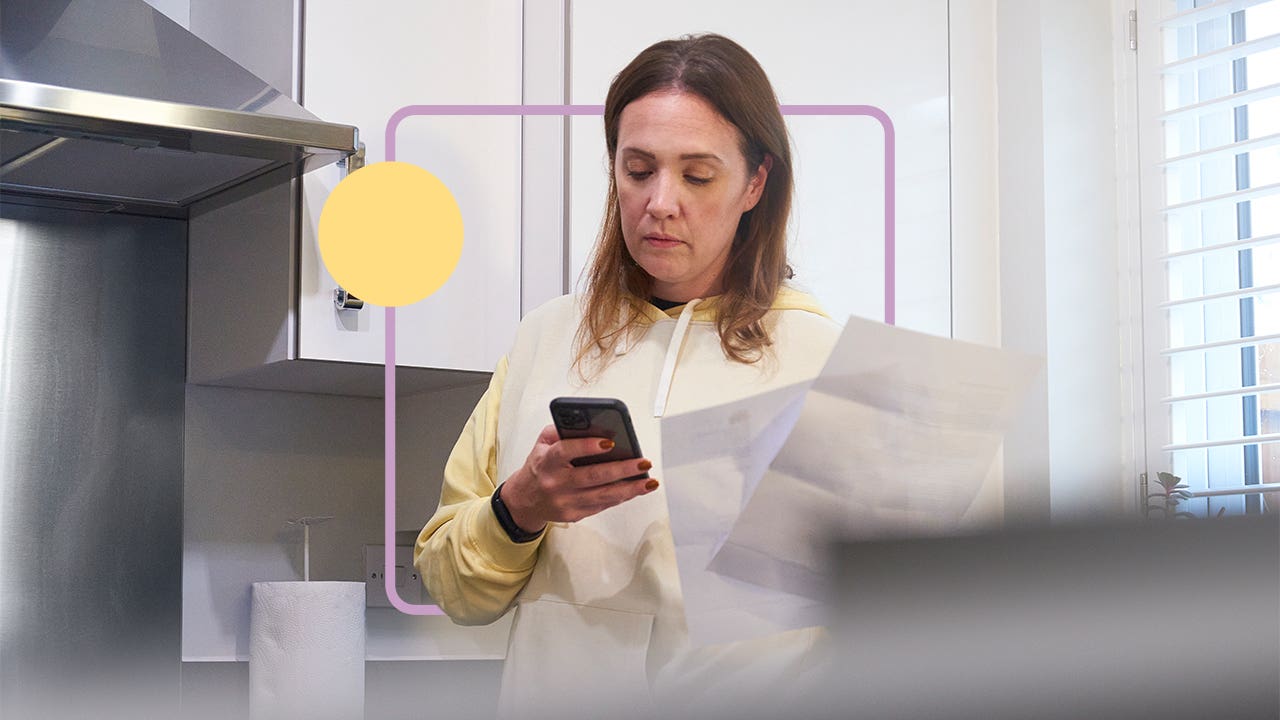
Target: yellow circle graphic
{"x": 390, "y": 233}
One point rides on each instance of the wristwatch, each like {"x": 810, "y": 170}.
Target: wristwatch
{"x": 514, "y": 531}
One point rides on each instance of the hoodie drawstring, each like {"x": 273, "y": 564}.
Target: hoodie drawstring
{"x": 673, "y": 355}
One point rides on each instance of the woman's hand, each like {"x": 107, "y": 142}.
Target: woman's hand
{"x": 549, "y": 489}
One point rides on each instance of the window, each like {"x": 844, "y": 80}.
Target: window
{"x": 1209, "y": 114}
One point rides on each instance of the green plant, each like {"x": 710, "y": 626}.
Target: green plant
{"x": 1173, "y": 492}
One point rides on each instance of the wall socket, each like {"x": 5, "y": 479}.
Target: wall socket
{"x": 408, "y": 583}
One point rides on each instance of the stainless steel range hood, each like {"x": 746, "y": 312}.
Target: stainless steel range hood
{"x": 110, "y": 101}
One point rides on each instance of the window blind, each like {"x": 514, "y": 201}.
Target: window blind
{"x": 1209, "y": 106}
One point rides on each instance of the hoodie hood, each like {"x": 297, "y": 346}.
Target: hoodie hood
{"x": 707, "y": 311}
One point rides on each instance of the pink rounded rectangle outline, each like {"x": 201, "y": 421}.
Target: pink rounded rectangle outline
{"x": 389, "y": 375}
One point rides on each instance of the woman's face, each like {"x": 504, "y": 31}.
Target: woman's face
{"x": 682, "y": 185}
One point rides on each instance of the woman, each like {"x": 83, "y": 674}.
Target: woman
{"x": 684, "y": 308}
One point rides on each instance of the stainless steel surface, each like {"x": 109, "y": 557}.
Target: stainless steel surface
{"x": 128, "y": 48}
{"x": 168, "y": 124}
{"x": 92, "y": 331}
{"x": 114, "y": 101}
{"x": 355, "y": 161}
{"x": 91, "y": 145}
{"x": 344, "y": 300}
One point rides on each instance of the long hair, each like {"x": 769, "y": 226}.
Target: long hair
{"x": 724, "y": 74}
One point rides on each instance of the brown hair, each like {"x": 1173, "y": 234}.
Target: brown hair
{"x": 724, "y": 74}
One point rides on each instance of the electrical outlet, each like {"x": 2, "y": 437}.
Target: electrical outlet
{"x": 408, "y": 584}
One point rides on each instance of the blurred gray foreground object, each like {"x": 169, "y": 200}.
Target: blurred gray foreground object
{"x": 1160, "y": 620}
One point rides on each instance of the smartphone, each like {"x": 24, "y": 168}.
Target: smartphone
{"x": 597, "y": 417}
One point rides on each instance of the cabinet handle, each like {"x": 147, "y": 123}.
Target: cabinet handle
{"x": 344, "y": 300}
{"x": 355, "y": 161}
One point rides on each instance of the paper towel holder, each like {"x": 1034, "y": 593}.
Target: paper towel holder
{"x": 306, "y": 523}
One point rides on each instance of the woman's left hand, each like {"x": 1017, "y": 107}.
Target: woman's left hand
{"x": 549, "y": 488}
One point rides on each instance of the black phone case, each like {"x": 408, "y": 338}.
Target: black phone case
{"x": 576, "y": 417}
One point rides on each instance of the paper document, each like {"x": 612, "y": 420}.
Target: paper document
{"x": 895, "y": 436}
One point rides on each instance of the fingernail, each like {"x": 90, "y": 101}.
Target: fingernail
{"x": 606, "y": 444}
{"x": 651, "y": 486}
{"x": 645, "y": 465}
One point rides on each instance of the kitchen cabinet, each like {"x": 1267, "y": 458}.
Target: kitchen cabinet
{"x": 893, "y": 56}
{"x": 423, "y": 53}
{"x": 530, "y": 188}
{"x": 263, "y": 310}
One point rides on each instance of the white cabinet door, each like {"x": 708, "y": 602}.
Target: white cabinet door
{"x": 892, "y": 55}
{"x": 365, "y": 61}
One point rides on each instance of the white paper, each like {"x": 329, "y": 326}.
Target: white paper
{"x": 894, "y": 437}
{"x": 719, "y": 454}
{"x": 307, "y": 650}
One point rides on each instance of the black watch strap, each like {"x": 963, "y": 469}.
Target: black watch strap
{"x": 514, "y": 531}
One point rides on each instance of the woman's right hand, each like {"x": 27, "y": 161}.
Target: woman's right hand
{"x": 549, "y": 489}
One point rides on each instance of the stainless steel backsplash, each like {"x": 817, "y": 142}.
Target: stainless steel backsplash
{"x": 92, "y": 355}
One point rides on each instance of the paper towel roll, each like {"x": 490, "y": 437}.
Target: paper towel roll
{"x": 306, "y": 651}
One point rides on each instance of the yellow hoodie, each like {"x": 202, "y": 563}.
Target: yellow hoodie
{"x": 598, "y": 605}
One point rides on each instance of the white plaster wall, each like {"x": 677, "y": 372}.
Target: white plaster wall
{"x": 975, "y": 221}
{"x": 1020, "y": 128}
{"x": 1082, "y": 259}
{"x": 1059, "y": 253}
